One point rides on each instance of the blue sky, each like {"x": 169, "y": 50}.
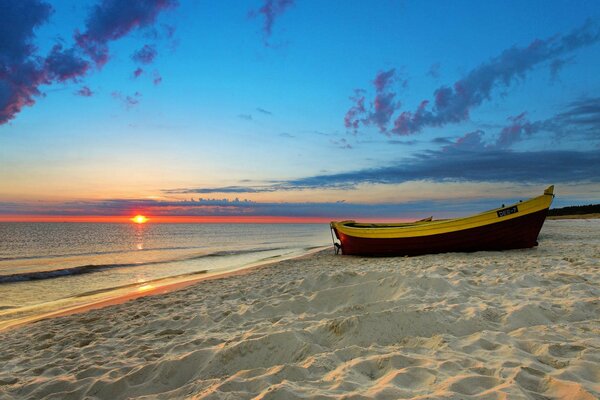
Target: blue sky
{"x": 391, "y": 108}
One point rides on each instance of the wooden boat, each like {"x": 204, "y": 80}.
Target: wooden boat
{"x": 513, "y": 227}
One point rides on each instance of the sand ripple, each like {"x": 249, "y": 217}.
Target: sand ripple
{"x": 521, "y": 324}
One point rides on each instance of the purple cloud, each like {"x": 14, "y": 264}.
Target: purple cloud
{"x": 351, "y": 120}
{"x": 62, "y": 65}
{"x": 382, "y": 107}
{"x": 138, "y": 71}
{"x": 471, "y": 141}
{"x": 383, "y": 80}
{"x": 21, "y": 72}
{"x": 516, "y": 129}
{"x": 113, "y": 19}
{"x": 84, "y": 92}
{"x": 128, "y": 100}
{"x": 453, "y": 104}
{"x": 271, "y": 10}
{"x": 145, "y": 55}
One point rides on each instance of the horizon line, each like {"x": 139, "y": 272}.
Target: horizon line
{"x": 179, "y": 219}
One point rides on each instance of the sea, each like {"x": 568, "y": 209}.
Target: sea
{"x": 48, "y": 267}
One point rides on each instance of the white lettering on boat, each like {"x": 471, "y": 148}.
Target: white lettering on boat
{"x": 507, "y": 211}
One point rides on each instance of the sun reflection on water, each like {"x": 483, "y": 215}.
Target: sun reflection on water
{"x": 145, "y": 287}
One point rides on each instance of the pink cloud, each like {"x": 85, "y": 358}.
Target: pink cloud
{"x": 112, "y": 19}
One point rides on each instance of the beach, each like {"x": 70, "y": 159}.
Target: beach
{"x": 520, "y": 324}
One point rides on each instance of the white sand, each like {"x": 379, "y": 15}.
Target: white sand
{"x": 521, "y": 324}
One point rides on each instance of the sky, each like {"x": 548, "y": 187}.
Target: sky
{"x": 295, "y": 110}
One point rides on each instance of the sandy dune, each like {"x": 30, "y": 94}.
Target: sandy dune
{"x": 522, "y": 324}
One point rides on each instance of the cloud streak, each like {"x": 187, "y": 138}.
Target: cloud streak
{"x": 246, "y": 208}
{"x": 463, "y": 163}
{"x": 263, "y": 111}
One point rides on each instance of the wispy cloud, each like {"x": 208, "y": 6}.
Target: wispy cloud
{"x": 352, "y": 119}
{"x": 579, "y": 121}
{"x": 583, "y": 113}
{"x": 84, "y": 91}
{"x": 156, "y": 78}
{"x": 342, "y": 143}
{"x": 128, "y": 100}
{"x": 434, "y": 70}
{"x": 223, "y": 189}
{"x": 381, "y": 108}
{"x": 270, "y": 11}
{"x": 453, "y": 104}
{"x": 263, "y": 111}
{"x": 145, "y": 55}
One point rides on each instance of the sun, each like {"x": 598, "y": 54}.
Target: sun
{"x": 139, "y": 219}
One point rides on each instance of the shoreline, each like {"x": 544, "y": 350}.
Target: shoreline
{"x": 173, "y": 285}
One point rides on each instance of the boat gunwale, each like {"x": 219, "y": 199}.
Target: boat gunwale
{"x": 427, "y": 228}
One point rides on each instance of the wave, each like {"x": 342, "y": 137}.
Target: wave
{"x": 97, "y": 253}
{"x": 92, "y": 268}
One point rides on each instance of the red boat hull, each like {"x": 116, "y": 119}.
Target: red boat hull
{"x": 516, "y": 233}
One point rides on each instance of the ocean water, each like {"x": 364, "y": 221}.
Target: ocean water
{"x": 46, "y": 267}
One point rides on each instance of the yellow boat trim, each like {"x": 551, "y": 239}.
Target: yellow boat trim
{"x": 428, "y": 228}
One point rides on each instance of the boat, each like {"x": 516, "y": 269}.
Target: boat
{"x": 515, "y": 226}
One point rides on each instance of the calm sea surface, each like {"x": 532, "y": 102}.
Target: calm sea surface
{"x": 49, "y": 266}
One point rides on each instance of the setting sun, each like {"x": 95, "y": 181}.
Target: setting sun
{"x": 139, "y": 219}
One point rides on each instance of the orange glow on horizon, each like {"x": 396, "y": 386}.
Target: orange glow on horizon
{"x": 180, "y": 219}
{"x": 139, "y": 219}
